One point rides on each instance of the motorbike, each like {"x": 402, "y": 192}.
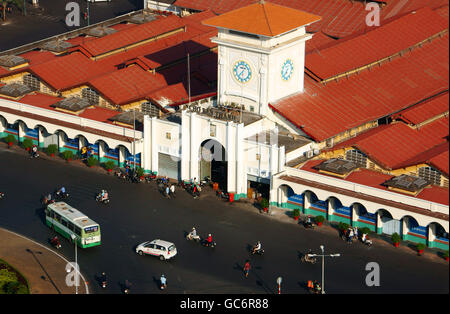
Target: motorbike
{"x": 55, "y": 242}
{"x": 34, "y": 155}
{"x": 190, "y": 237}
{"x": 98, "y": 198}
{"x": 120, "y": 174}
{"x": 163, "y": 285}
{"x": 367, "y": 242}
{"x": 223, "y": 195}
{"x": 127, "y": 287}
{"x": 2, "y": 195}
{"x": 305, "y": 259}
{"x": 207, "y": 244}
{"x": 260, "y": 251}
{"x": 308, "y": 225}
{"x": 60, "y": 195}
{"x": 103, "y": 283}
{"x": 205, "y": 181}
{"x": 150, "y": 178}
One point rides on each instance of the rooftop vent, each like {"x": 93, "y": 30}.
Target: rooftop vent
{"x": 339, "y": 167}
{"x": 407, "y": 183}
{"x": 100, "y": 31}
{"x": 56, "y": 46}
{"x": 127, "y": 118}
{"x": 15, "y": 90}
{"x": 10, "y": 61}
{"x": 142, "y": 18}
{"x": 73, "y": 104}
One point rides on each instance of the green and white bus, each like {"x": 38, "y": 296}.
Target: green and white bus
{"x": 67, "y": 220}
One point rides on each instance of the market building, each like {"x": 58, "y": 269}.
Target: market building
{"x": 275, "y": 96}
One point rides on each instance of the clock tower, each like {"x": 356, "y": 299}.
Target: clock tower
{"x": 261, "y": 54}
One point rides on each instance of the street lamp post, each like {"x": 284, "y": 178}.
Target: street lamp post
{"x": 323, "y": 255}
{"x": 74, "y": 238}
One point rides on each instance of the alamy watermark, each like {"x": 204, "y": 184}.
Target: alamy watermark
{"x": 73, "y": 274}
{"x": 373, "y": 277}
{"x": 373, "y": 17}
{"x": 73, "y": 17}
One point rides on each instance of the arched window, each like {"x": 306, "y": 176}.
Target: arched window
{"x": 32, "y": 82}
{"x": 430, "y": 174}
{"x": 359, "y": 158}
{"x": 91, "y": 96}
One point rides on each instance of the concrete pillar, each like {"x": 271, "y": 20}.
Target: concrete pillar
{"x": 121, "y": 155}
{"x": 21, "y": 131}
{"x": 353, "y": 214}
{"x": 431, "y": 235}
{"x": 379, "y": 223}
{"x": 40, "y": 137}
{"x": 404, "y": 229}
{"x": 61, "y": 141}
{"x": 194, "y": 147}
{"x": 101, "y": 151}
{"x": 146, "y": 157}
{"x": 273, "y": 159}
{"x": 2, "y": 125}
{"x": 154, "y": 145}
{"x": 222, "y": 70}
{"x": 185, "y": 146}
{"x": 231, "y": 158}
{"x": 241, "y": 174}
{"x": 281, "y": 158}
{"x": 274, "y": 195}
{"x": 306, "y": 201}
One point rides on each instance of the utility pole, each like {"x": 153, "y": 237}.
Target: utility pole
{"x": 189, "y": 79}
{"x": 323, "y": 255}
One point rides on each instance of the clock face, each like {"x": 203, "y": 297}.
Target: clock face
{"x": 287, "y": 69}
{"x": 242, "y": 71}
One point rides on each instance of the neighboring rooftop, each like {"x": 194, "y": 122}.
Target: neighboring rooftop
{"x": 270, "y": 137}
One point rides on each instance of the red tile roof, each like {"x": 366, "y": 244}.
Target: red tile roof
{"x": 426, "y": 110}
{"x": 40, "y": 100}
{"x": 173, "y": 93}
{"x": 340, "y": 18}
{"x": 379, "y": 43}
{"x": 397, "y": 145}
{"x": 370, "y": 95}
{"x": 441, "y": 161}
{"x": 98, "y": 114}
{"x": 128, "y": 84}
{"x": 263, "y": 18}
{"x": 36, "y": 57}
{"x": 376, "y": 179}
{"x": 132, "y": 35}
{"x": 67, "y": 71}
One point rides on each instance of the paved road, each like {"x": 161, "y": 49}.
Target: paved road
{"x": 138, "y": 213}
{"x": 40, "y": 24}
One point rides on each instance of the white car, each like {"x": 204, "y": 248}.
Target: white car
{"x": 163, "y": 249}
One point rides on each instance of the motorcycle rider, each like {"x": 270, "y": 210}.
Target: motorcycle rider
{"x": 307, "y": 256}
{"x": 308, "y": 221}
{"x": 103, "y": 278}
{"x": 61, "y": 191}
{"x": 163, "y": 281}
{"x": 193, "y": 234}
{"x": 209, "y": 239}
{"x": 34, "y": 151}
{"x": 104, "y": 196}
{"x": 55, "y": 241}
{"x": 256, "y": 247}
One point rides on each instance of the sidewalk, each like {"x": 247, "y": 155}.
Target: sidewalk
{"x": 43, "y": 268}
{"x": 330, "y": 229}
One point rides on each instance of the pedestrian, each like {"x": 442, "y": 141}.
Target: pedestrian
{"x": 246, "y": 268}
{"x": 310, "y": 286}
{"x": 84, "y": 152}
{"x": 172, "y": 190}
{"x": 350, "y": 235}
{"x": 356, "y": 232}
{"x": 167, "y": 191}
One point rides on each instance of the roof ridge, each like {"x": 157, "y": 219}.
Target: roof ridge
{"x": 261, "y": 2}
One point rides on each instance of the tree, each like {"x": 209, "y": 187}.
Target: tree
{"x": 5, "y": 3}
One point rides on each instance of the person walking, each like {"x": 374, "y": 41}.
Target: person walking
{"x": 167, "y": 191}
{"x": 172, "y": 190}
{"x": 246, "y": 268}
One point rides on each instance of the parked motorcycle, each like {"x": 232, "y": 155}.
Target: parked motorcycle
{"x": 308, "y": 225}
{"x": 207, "y": 244}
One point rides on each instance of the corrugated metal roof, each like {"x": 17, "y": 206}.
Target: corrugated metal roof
{"x": 127, "y": 84}
{"x": 379, "y": 43}
{"x": 332, "y": 109}
{"x": 132, "y": 35}
{"x": 426, "y": 110}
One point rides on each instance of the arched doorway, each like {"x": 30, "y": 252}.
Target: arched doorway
{"x": 213, "y": 163}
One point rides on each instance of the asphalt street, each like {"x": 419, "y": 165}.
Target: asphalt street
{"x": 138, "y": 212}
{"x": 49, "y": 19}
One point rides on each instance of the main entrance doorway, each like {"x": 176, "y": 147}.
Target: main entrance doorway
{"x": 213, "y": 163}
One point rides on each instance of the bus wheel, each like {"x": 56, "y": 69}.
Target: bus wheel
{"x": 140, "y": 253}
{"x": 161, "y": 258}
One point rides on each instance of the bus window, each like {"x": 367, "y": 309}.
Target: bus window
{"x": 78, "y": 231}
{"x": 57, "y": 217}
{"x": 64, "y": 222}
{"x": 70, "y": 226}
